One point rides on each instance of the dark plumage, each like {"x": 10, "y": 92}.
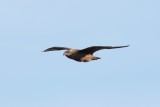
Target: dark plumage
{"x": 83, "y": 55}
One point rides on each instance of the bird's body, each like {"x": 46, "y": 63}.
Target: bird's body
{"x": 84, "y": 55}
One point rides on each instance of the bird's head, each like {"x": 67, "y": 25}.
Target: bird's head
{"x": 70, "y": 52}
{"x": 67, "y": 53}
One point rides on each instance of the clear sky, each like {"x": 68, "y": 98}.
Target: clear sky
{"x": 128, "y": 77}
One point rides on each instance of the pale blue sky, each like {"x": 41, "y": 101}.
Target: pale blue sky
{"x": 128, "y": 77}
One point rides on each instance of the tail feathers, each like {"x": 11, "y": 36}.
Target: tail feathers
{"x": 96, "y": 58}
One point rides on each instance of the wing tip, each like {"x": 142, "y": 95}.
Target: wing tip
{"x": 46, "y": 50}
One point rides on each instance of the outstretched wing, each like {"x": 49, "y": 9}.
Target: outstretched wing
{"x": 92, "y": 49}
{"x": 56, "y": 49}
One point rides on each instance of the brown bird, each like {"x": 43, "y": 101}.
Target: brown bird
{"x": 83, "y": 55}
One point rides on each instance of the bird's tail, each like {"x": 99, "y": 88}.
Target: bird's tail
{"x": 96, "y": 58}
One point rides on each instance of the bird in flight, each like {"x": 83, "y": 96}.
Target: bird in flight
{"x": 83, "y": 55}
